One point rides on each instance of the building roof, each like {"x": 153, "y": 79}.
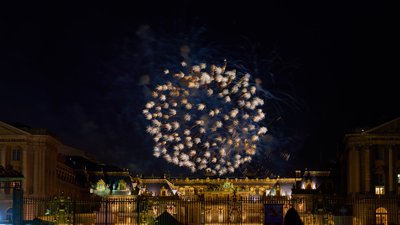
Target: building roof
{"x": 390, "y": 127}
{"x": 388, "y": 132}
{"x": 28, "y": 129}
{"x": 154, "y": 185}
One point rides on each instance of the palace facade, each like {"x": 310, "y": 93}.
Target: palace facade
{"x": 372, "y": 160}
{"x": 103, "y": 194}
{"x": 40, "y": 161}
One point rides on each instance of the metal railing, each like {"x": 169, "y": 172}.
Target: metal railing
{"x": 142, "y": 210}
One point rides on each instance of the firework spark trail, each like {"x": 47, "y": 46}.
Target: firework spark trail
{"x": 206, "y": 118}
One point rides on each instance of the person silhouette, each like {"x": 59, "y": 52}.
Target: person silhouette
{"x": 292, "y": 218}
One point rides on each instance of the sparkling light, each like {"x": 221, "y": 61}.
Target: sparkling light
{"x": 205, "y": 118}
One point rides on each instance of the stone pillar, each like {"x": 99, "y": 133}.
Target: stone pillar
{"x": 367, "y": 169}
{"x": 50, "y": 160}
{"x": 3, "y": 155}
{"x": 25, "y": 168}
{"x": 354, "y": 170}
{"x": 390, "y": 168}
{"x": 357, "y": 177}
{"x": 350, "y": 185}
{"x": 36, "y": 174}
{"x": 42, "y": 178}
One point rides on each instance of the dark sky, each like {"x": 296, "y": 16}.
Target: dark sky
{"x": 75, "y": 68}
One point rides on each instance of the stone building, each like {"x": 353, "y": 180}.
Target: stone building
{"x": 208, "y": 200}
{"x": 372, "y": 181}
{"x": 372, "y": 159}
{"x": 40, "y": 157}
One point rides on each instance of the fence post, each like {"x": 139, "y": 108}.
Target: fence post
{"x": 17, "y": 205}
{"x": 137, "y": 210}
{"x": 106, "y": 222}
{"x": 74, "y": 212}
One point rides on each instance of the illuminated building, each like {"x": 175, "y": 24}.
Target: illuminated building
{"x": 41, "y": 159}
{"x": 373, "y": 173}
{"x": 201, "y": 200}
{"x": 372, "y": 169}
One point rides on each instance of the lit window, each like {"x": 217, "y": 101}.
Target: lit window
{"x": 191, "y": 191}
{"x": 220, "y": 215}
{"x": 398, "y": 178}
{"x": 16, "y": 155}
{"x": 278, "y": 190}
{"x": 171, "y": 209}
{"x": 101, "y": 185}
{"x": 379, "y": 190}
{"x": 121, "y": 185}
{"x": 381, "y": 216}
{"x": 208, "y": 215}
{"x": 163, "y": 191}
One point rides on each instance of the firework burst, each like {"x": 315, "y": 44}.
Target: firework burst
{"x": 205, "y": 118}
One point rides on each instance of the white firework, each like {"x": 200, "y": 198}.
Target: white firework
{"x": 205, "y": 119}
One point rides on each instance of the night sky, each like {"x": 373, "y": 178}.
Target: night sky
{"x": 77, "y": 69}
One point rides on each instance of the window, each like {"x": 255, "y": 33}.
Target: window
{"x": 381, "y": 216}
{"x": 171, "y": 209}
{"x": 16, "y": 155}
{"x": 379, "y": 179}
{"x": 379, "y": 190}
{"x": 379, "y": 154}
{"x": 101, "y": 185}
{"x": 397, "y": 152}
{"x": 191, "y": 191}
{"x": 163, "y": 191}
{"x": 220, "y": 215}
{"x": 181, "y": 191}
{"x": 208, "y": 215}
{"x": 398, "y": 178}
{"x": 121, "y": 185}
{"x": 278, "y": 190}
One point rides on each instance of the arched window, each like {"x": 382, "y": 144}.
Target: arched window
{"x": 381, "y": 216}
{"x": 121, "y": 185}
{"x": 208, "y": 215}
{"x": 278, "y": 190}
{"x": 220, "y": 215}
{"x": 181, "y": 191}
{"x": 163, "y": 191}
{"x": 252, "y": 191}
{"x": 191, "y": 191}
{"x": 101, "y": 185}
